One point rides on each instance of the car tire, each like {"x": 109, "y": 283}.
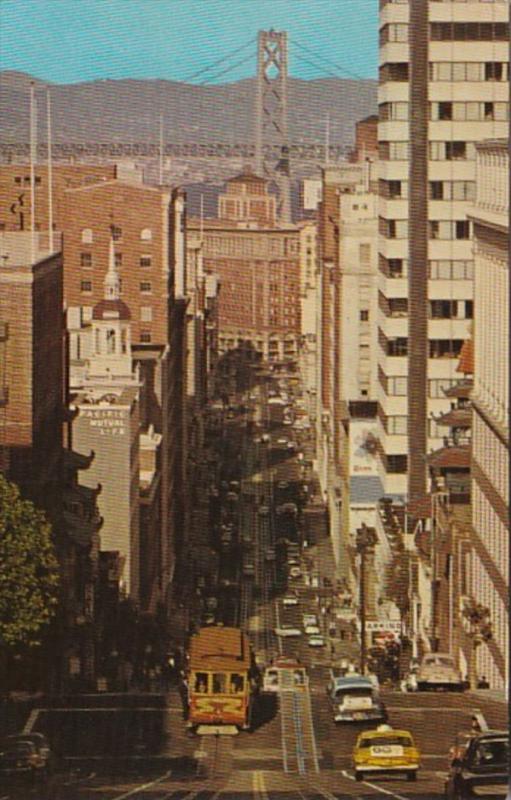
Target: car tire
{"x": 411, "y": 776}
{"x": 359, "y": 776}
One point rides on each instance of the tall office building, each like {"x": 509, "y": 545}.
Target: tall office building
{"x": 443, "y": 87}
{"x": 488, "y": 566}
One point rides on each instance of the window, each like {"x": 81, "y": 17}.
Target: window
{"x": 442, "y": 110}
{"x": 393, "y": 151}
{"x": 86, "y": 259}
{"x": 438, "y": 386}
{"x": 462, "y": 229}
{"x": 436, "y": 190}
{"x": 145, "y": 261}
{"x": 398, "y": 306}
{"x": 17, "y": 179}
{"x": 496, "y": 71}
{"x": 87, "y": 236}
{"x": 146, "y": 287}
{"x": 397, "y": 463}
{"x": 394, "y": 72}
{"x": 395, "y": 267}
{"x": 445, "y": 348}
{"x": 118, "y": 259}
{"x": 219, "y": 683}
{"x": 393, "y": 111}
{"x": 116, "y": 233}
{"x": 469, "y": 309}
{"x": 396, "y": 425}
{"x": 443, "y": 309}
{"x": 145, "y": 337}
{"x": 451, "y": 270}
{"x": 364, "y": 254}
{"x": 146, "y": 235}
{"x": 364, "y": 315}
{"x": 394, "y": 32}
{"x": 86, "y": 286}
{"x": 201, "y": 682}
{"x": 449, "y": 229}
{"x": 397, "y": 386}
{"x": 468, "y": 31}
{"x": 397, "y": 347}
{"x": 146, "y": 314}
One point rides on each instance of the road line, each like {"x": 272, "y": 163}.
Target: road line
{"x": 31, "y": 721}
{"x": 138, "y": 789}
{"x": 378, "y": 788}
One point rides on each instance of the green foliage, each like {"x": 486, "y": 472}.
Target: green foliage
{"x": 28, "y": 569}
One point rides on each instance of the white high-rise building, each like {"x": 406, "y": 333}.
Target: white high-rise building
{"x": 444, "y": 71}
{"x": 488, "y": 575}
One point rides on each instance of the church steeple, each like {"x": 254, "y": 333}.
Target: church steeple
{"x": 112, "y": 281}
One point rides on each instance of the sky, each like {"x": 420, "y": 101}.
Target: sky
{"x": 68, "y": 41}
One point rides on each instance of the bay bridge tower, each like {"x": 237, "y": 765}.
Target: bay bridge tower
{"x": 271, "y": 135}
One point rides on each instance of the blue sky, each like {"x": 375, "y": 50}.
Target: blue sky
{"x": 67, "y": 41}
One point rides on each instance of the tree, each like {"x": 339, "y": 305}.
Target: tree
{"x": 28, "y": 570}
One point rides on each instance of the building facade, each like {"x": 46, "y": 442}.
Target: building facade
{"x": 258, "y": 266}
{"x": 443, "y": 87}
{"x": 488, "y": 579}
{"x": 15, "y": 201}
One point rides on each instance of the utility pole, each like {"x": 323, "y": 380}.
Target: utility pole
{"x": 365, "y": 542}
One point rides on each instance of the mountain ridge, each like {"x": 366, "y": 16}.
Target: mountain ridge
{"x": 129, "y": 109}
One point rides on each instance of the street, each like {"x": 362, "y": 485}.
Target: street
{"x": 295, "y": 749}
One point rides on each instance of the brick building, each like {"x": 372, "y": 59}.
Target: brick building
{"x": 138, "y": 218}
{"x": 33, "y": 450}
{"x": 15, "y": 191}
{"x": 258, "y": 266}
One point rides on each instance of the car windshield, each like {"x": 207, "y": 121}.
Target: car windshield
{"x": 373, "y": 741}
{"x": 438, "y": 661}
{"x": 22, "y": 748}
{"x": 355, "y": 692}
{"x": 492, "y": 752}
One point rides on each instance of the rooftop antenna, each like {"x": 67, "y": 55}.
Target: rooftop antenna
{"x": 161, "y": 152}
{"x": 201, "y": 217}
{"x": 50, "y": 172}
{"x": 33, "y": 134}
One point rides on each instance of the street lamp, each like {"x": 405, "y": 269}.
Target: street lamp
{"x": 365, "y": 542}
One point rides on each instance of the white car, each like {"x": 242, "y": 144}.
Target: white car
{"x": 288, "y": 631}
{"x": 309, "y": 619}
{"x": 290, "y": 600}
{"x": 283, "y": 442}
{"x": 438, "y": 671}
{"x": 312, "y": 630}
{"x": 263, "y": 511}
{"x": 316, "y": 641}
{"x": 269, "y": 554}
{"x": 295, "y": 572}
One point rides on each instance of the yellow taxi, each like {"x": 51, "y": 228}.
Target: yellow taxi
{"x": 384, "y": 751}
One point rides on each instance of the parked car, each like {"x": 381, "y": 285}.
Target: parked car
{"x": 25, "y": 756}
{"x": 269, "y": 554}
{"x": 290, "y": 599}
{"x": 316, "y": 641}
{"x": 480, "y": 768}
{"x": 288, "y": 631}
{"x": 312, "y": 629}
{"x": 295, "y": 572}
{"x": 438, "y": 671}
{"x": 385, "y": 751}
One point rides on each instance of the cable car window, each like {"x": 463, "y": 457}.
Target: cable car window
{"x": 219, "y": 683}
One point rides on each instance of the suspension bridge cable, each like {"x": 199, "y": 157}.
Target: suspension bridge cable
{"x": 217, "y": 62}
{"x": 227, "y": 69}
{"x": 316, "y": 66}
{"x": 328, "y": 61}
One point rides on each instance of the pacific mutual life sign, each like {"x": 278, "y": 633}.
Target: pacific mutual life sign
{"x": 110, "y": 421}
